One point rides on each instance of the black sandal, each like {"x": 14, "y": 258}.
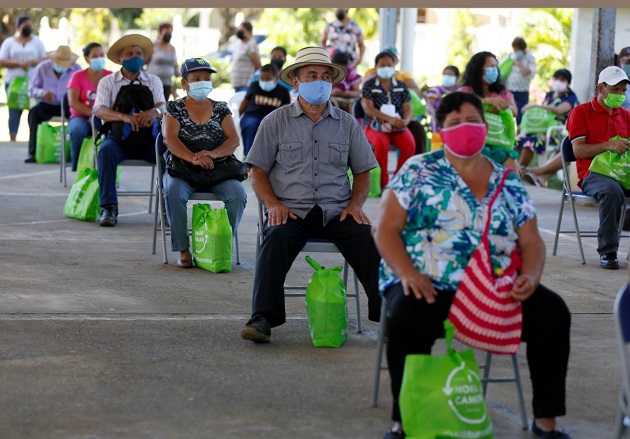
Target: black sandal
{"x": 394, "y": 434}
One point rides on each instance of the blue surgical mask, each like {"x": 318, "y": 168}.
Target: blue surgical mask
{"x": 448, "y": 80}
{"x": 385, "y": 72}
{"x": 133, "y": 65}
{"x": 316, "y": 92}
{"x": 59, "y": 69}
{"x": 199, "y": 90}
{"x": 267, "y": 85}
{"x": 519, "y": 54}
{"x": 97, "y": 63}
{"x": 492, "y": 74}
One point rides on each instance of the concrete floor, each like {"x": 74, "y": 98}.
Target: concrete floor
{"x": 100, "y": 339}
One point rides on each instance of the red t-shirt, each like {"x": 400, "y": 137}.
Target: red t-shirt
{"x": 591, "y": 121}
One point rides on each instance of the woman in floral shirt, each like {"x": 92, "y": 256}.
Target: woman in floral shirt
{"x": 431, "y": 219}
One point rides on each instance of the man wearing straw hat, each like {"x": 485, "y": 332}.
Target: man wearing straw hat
{"x": 131, "y": 52}
{"x": 48, "y": 82}
{"x": 299, "y": 164}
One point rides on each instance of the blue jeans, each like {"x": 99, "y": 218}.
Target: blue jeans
{"x": 177, "y": 192}
{"x": 249, "y": 128}
{"x": 79, "y": 128}
{"x": 520, "y": 98}
{"x": 109, "y": 156}
{"x": 14, "y": 115}
{"x": 612, "y": 198}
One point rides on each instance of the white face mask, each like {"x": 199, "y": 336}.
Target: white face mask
{"x": 559, "y": 86}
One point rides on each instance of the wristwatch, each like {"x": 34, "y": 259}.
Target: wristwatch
{"x": 159, "y": 112}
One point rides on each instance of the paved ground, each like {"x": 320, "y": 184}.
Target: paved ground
{"x": 100, "y": 339}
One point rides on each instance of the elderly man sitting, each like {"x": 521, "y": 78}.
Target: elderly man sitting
{"x": 299, "y": 163}
{"x": 132, "y": 133}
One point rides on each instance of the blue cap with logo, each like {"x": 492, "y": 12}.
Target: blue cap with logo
{"x": 192, "y": 64}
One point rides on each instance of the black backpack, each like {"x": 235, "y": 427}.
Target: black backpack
{"x": 132, "y": 98}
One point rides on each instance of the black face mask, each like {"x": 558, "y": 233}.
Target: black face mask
{"x": 27, "y": 31}
{"x": 340, "y": 15}
{"x": 278, "y": 62}
{"x": 240, "y": 35}
{"x": 167, "y": 37}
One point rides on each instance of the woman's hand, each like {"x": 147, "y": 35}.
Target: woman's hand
{"x": 419, "y": 285}
{"x": 500, "y": 103}
{"x": 528, "y": 106}
{"x": 524, "y": 287}
{"x": 202, "y": 158}
{"x": 398, "y": 123}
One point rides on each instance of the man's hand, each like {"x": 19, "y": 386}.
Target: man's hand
{"x": 524, "y": 287}
{"x": 619, "y": 146}
{"x": 133, "y": 120}
{"x": 48, "y": 96}
{"x": 278, "y": 214}
{"x": 355, "y": 212}
{"x": 145, "y": 118}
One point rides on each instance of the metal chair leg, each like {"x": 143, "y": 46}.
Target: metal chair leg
{"x": 378, "y": 367}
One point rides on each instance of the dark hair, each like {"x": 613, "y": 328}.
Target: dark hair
{"x": 340, "y": 58}
{"x": 454, "y": 101}
{"x": 164, "y": 25}
{"x": 270, "y": 68}
{"x": 281, "y": 49}
{"x": 88, "y": 48}
{"x": 21, "y": 19}
{"x": 473, "y": 74}
{"x": 453, "y": 68}
{"x": 384, "y": 53}
{"x": 247, "y": 25}
{"x": 563, "y": 74}
{"x": 519, "y": 43}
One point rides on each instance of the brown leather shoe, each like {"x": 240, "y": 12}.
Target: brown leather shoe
{"x": 185, "y": 261}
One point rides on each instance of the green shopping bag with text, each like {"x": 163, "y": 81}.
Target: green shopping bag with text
{"x": 442, "y": 397}
{"x": 536, "y": 120}
{"x": 212, "y": 238}
{"x": 83, "y": 202}
{"x": 326, "y": 306}
{"x": 613, "y": 165}
{"x": 17, "y": 94}
{"x": 501, "y": 127}
{"x": 48, "y": 144}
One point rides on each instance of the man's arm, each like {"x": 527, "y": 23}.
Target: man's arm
{"x": 583, "y": 150}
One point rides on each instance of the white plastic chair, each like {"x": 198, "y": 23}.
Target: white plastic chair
{"x": 542, "y": 158}
{"x": 234, "y": 103}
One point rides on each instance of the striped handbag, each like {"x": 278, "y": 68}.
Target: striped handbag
{"x": 484, "y": 314}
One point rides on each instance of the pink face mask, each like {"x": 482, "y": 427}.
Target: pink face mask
{"x": 465, "y": 140}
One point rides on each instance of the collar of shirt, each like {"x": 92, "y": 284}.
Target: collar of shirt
{"x": 394, "y": 83}
{"x": 599, "y": 109}
{"x": 118, "y": 76}
{"x": 296, "y": 110}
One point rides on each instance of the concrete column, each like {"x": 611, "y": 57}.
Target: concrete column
{"x": 581, "y": 43}
{"x": 409, "y": 20}
{"x": 387, "y": 26}
{"x": 603, "y": 48}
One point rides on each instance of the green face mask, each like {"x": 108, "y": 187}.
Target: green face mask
{"x": 614, "y": 100}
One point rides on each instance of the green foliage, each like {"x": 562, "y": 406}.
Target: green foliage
{"x": 547, "y": 32}
{"x": 89, "y": 25}
{"x": 127, "y": 16}
{"x": 223, "y": 72}
{"x": 8, "y": 16}
{"x": 459, "y": 46}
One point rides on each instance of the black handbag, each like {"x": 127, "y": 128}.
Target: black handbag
{"x": 225, "y": 168}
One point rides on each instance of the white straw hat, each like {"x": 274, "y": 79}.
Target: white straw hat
{"x": 309, "y": 56}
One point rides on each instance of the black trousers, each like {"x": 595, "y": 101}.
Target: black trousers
{"x": 413, "y": 326}
{"x": 38, "y": 114}
{"x": 283, "y": 243}
{"x": 419, "y": 135}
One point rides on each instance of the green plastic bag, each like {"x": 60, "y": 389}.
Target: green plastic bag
{"x": 613, "y": 165}
{"x": 83, "y": 202}
{"x": 441, "y": 396}
{"x": 501, "y": 127}
{"x": 48, "y": 144}
{"x": 86, "y": 155}
{"x": 375, "y": 182}
{"x": 418, "y": 107}
{"x": 505, "y": 67}
{"x": 17, "y": 97}
{"x": 536, "y": 120}
{"x": 326, "y": 306}
{"x": 212, "y": 238}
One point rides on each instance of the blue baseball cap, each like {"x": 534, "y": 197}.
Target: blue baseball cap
{"x": 192, "y": 64}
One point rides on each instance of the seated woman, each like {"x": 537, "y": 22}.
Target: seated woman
{"x": 434, "y": 95}
{"x": 345, "y": 93}
{"x": 387, "y": 107}
{"x": 430, "y": 220}
{"x": 81, "y": 96}
{"x": 482, "y": 78}
{"x": 559, "y": 101}
{"x": 262, "y": 97}
{"x": 197, "y": 118}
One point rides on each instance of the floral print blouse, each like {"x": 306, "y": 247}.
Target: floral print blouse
{"x": 445, "y": 221}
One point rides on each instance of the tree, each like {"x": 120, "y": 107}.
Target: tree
{"x": 300, "y": 27}
{"x": 462, "y": 39}
{"x": 127, "y": 16}
{"x": 90, "y": 25}
{"x": 229, "y": 15}
{"x": 8, "y": 16}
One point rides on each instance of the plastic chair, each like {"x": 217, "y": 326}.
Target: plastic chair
{"x": 516, "y": 378}
{"x": 621, "y": 312}
{"x": 160, "y": 210}
{"x": 233, "y": 104}
{"x": 542, "y": 158}
{"x": 316, "y": 246}
{"x": 573, "y": 198}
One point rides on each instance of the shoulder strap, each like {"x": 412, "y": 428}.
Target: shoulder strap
{"x": 494, "y": 197}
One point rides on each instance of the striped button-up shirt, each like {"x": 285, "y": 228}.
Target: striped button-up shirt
{"x": 308, "y": 161}
{"x": 110, "y": 85}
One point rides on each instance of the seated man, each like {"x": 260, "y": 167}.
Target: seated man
{"x": 299, "y": 164}
{"x": 48, "y": 82}
{"x": 131, "y": 134}
{"x": 346, "y": 93}
{"x": 591, "y": 126}
{"x": 263, "y": 96}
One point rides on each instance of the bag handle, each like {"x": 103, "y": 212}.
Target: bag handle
{"x": 313, "y": 263}
{"x": 494, "y": 197}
